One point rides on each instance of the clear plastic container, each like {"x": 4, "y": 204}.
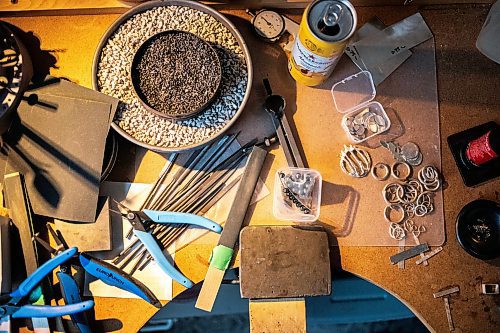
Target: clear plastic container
{"x": 304, "y": 204}
{"x": 353, "y": 96}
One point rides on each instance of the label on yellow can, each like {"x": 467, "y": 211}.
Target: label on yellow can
{"x": 310, "y": 62}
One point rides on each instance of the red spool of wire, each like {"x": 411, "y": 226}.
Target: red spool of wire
{"x": 484, "y": 148}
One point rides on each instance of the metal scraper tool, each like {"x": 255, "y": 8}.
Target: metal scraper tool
{"x": 222, "y": 254}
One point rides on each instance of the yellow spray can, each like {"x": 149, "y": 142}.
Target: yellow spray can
{"x": 324, "y": 32}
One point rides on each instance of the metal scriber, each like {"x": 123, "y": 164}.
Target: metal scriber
{"x": 275, "y": 105}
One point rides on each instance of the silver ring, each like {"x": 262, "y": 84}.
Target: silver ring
{"x": 434, "y": 186}
{"x": 394, "y": 207}
{"x": 396, "y": 231}
{"x": 420, "y": 210}
{"x": 391, "y": 189}
{"x": 382, "y": 166}
{"x": 396, "y": 173}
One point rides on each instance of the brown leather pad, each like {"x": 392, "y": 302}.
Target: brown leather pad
{"x": 284, "y": 261}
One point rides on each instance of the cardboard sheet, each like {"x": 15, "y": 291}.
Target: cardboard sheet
{"x": 60, "y": 87}
{"x": 379, "y": 48}
{"x": 62, "y": 167}
{"x": 383, "y": 69}
{"x": 382, "y": 50}
{"x": 94, "y": 236}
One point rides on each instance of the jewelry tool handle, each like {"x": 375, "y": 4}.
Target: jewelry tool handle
{"x": 37, "y": 276}
{"x": 182, "y": 218}
{"x": 47, "y": 311}
{"x": 71, "y": 295}
{"x": 117, "y": 278}
{"x": 155, "y": 251}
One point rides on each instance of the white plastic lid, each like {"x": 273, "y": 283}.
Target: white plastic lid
{"x": 353, "y": 91}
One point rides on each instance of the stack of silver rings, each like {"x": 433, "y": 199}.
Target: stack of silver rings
{"x": 409, "y": 198}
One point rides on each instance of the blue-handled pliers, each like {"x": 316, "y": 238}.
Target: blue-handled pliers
{"x": 13, "y": 304}
{"x": 136, "y": 219}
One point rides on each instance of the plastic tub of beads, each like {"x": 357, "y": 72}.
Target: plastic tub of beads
{"x": 297, "y": 194}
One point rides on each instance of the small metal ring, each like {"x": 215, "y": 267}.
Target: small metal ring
{"x": 386, "y": 191}
{"x": 416, "y": 233}
{"x": 428, "y": 174}
{"x": 396, "y": 231}
{"x": 409, "y": 194}
{"x": 424, "y": 199}
{"x": 395, "y": 207}
{"x": 409, "y": 225}
{"x": 409, "y": 209}
{"x": 433, "y": 186}
{"x": 415, "y": 184}
{"x": 382, "y": 166}
{"x": 420, "y": 210}
{"x": 395, "y": 170}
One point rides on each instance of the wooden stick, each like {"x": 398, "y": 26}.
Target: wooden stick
{"x": 210, "y": 288}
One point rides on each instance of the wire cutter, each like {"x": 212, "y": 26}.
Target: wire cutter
{"x": 70, "y": 291}
{"x": 97, "y": 268}
{"x": 136, "y": 219}
{"x": 13, "y": 304}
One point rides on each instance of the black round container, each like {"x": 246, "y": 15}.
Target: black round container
{"x": 478, "y": 229}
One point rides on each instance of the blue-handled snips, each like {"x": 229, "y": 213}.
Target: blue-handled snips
{"x": 136, "y": 219}
{"x": 14, "y": 304}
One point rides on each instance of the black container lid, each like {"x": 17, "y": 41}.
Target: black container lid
{"x": 478, "y": 229}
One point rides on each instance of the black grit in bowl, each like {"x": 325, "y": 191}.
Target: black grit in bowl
{"x": 176, "y": 74}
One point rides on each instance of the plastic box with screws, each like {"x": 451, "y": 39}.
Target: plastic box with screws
{"x": 297, "y": 194}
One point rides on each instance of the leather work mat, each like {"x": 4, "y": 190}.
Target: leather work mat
{"x": 352, "y": 209}
{"x": 284, "y": 261}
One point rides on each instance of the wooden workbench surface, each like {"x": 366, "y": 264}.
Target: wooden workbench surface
{"x": 468, "y": 95}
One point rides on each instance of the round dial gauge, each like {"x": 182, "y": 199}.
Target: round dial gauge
{"x": 269, "y": 25}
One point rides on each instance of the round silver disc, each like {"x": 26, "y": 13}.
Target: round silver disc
{"x": 410, "y": 150}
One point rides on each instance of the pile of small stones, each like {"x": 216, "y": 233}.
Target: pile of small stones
{"x": 177, "y": 73}
{"x": 114, "y": 78}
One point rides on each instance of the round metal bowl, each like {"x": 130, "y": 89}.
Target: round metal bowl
{"x": 197, "y": 6}
{"x": 140, "y": 94}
